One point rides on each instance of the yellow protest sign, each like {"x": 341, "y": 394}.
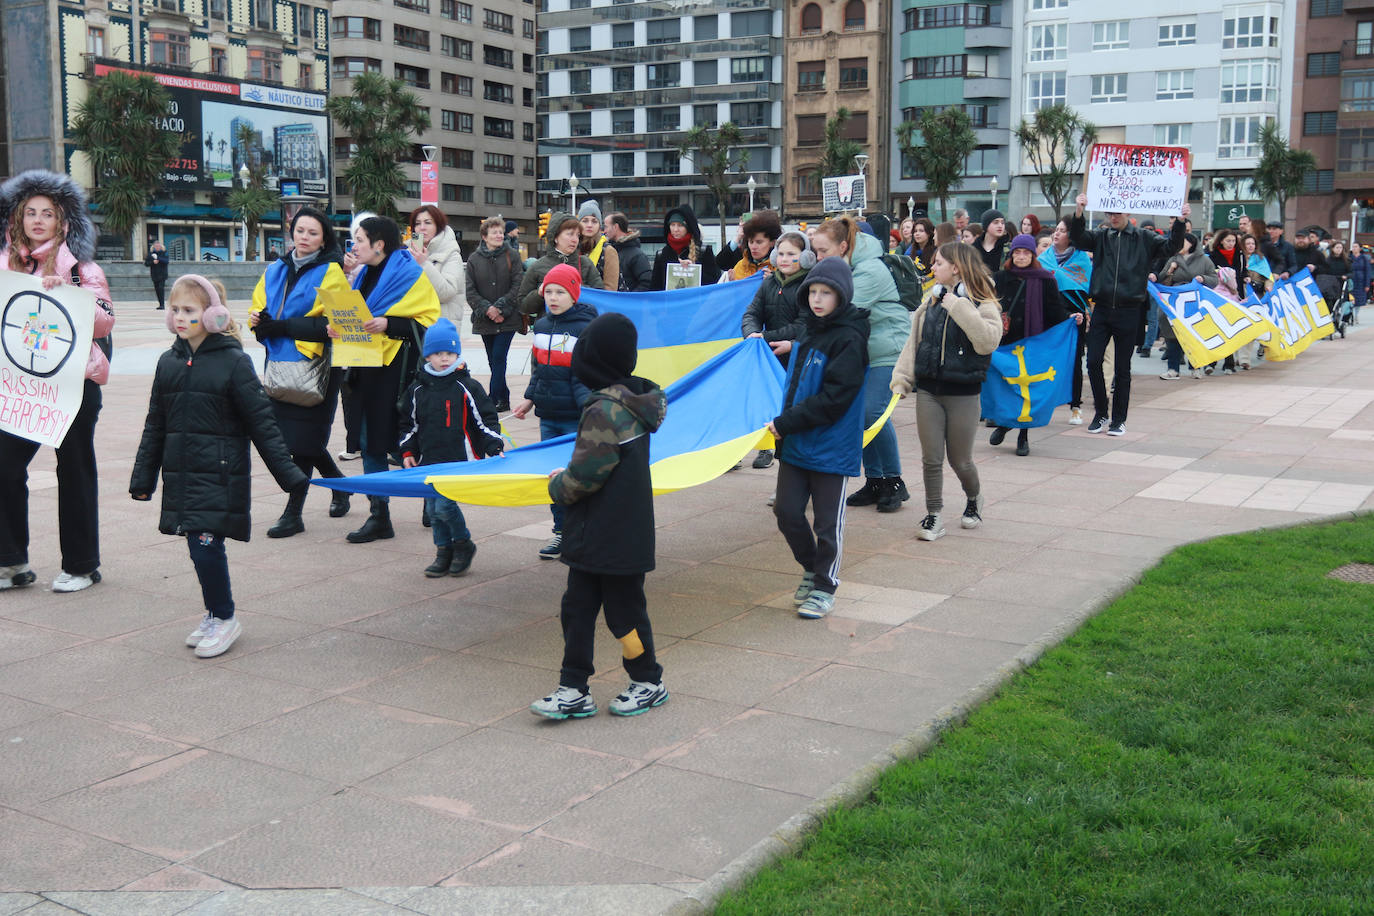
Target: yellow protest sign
{"x": 347, "y": 313}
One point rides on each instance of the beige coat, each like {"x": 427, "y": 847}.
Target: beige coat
{"x": 982, "y": 323}
{"x": 444, "y": 267}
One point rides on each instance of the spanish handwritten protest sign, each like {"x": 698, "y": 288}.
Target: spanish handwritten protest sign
{"x": 1137, "y": 179}
{"x": 347, "y": 312}
{"x": 45, "y": 341}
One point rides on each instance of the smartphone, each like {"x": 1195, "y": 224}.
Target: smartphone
{"x": 348, "y": 244}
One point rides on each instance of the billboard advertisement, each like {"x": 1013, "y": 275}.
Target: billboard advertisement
{"x": 222, "y": 124}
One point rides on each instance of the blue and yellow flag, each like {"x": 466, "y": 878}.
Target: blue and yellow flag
{"x": 402, "y": 291}
{"x": 1030, "y": 378}
{"x": 1299, "y": 314}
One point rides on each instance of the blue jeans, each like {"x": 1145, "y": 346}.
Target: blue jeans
{"x": 1151, "y": 327}
{"x": 498, "y": 348}
{"x": 446, "y": 521}
{"x": 1173, "y": 354}
{"x": 880, "y": 455}
{"x": 552, "y": 429}
{"x": 212, "y": 569}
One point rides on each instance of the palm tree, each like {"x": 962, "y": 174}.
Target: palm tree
{"x": 116, "y": 126}
{"x": 1281, "y": 170}
{"x": 714, "y": 153}
{"x": 380, "y": 116}
{"x": 838, "y": 154}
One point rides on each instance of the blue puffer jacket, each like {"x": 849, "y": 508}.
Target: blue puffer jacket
{"x": 556, "y": 393}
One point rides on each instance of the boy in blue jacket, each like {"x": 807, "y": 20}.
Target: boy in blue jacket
{"x": 820, "y": 430}
{"x": 554, "y": 392}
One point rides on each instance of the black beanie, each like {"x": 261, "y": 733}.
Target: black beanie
{"x": 606, "y": 351}
{"x": 989, "y": 216}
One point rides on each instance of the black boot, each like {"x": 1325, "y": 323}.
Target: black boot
{"x": 867, "y": 494}
{"x": 339, "y": 504}
{"x": 378, "y": 524}
{"x": 1023, "y": 443}
{"x": 889, "y": 499}
{"x": 997, "y": 436}
{"x": 290, "y": 522}
{"x": 424, "y": 516}
{"x": 443, "y": 556}
{"x": 463, "y": 552}
{"x": 902, "y": 494}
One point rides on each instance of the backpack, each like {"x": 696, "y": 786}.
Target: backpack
{"x": 106, "y": 343}
{"x": 910, "y": 286}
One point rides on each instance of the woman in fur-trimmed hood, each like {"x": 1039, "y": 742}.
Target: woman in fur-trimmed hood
{"x": 48, "y": 234}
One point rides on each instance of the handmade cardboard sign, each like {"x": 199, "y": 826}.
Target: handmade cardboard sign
{"x": 45, "y": 341}
{"x": 1137, "y": 179}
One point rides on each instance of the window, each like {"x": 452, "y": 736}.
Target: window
{"x": 527, "y": 62}
{"x": 580, "y": 39}
{"x": 305, "y": 75}
{"x": 526, "y": 28}
{"x": 451, "y": 158}
{"x": 1326, "y": 8}
{"x": 1364, "y": 38}
{"x": 498, "y": 162}
{"x": 1049, "y": 5}
{"x": 418, "y": 5}
{"x": 704, "y": 116}
{"x": 448, "y": 82}
{"x": 1355, "y": 151}
{"x": 811, "y": 76}
{"x": 527, "y": 131}
{"x": 810, "y": 130}
{"x": 527, "y": 96}
{"x": 664, "y": 76}
{"x": 1109, "y": 87}
{"x": 923, "y": 68}
{"x": 759, "y": 22}
{"x": 264, "y": 64}
{"x": 706, "y": 28}
{"x": 810, "y": 19}
{"x": 623, "y": 35}
{"x": 458, "y": 12}
{"x": 579, "y": 82}
{"x": 660, "y": 119}
{"x": 982, "y": 161}
{"x": 498, "y": 22}
{"x": 808, "y": 185}
{"x": 1112, "y": 36}
{"x": 1239, "y": 137}
{"x": 416, "y": 77}
{"x": 1319, "y": 181}
{"x": 218, "y": 7}
{"x": 623, "y": 121}
{"x": 749, "y": 69}
{"x": 705, "y": 73}
{"x": 345, "y": 68}
{"x": 412, "y": 190}
{"x": 1172, "y": 34}
{"x": 855, "y": 16}
{"x": 172, "y": 49}
{"x": 749, "y": 114}
{"x": 854, "y": 73}
{"x": 344, "y": 148}
{"x": 1249, "y": 81}
{"x": 499, "y": 127}
{"x": 498, "y": 92}
{"x": 580, "y": 123}
{"x": 95, "y": 42}
{"x": 941, "y": 17}
{"x": 464, "y": 122}
{"x": 406, "y": 37}
{"x": 455, "y": 47}
{"x": 499, "y": 197}
{"x": 1250, "y": 32}
{"x": 1049, "y": 42}
{"x": 219, "y": 62}
{"x": 622, "y": 165}
{"x": 357, "y": 27}
{"x": 663, "y": 163}
{"x": 1173, "y": 135}
{"x": 1045, "y": 89}
{"x": 623, "y": 79}
{"x": 494, "y": 56}
{"x": 1326, "y": 64}
{"x": 457, "y": 193}
{"x": 1357, "y": 91}
{"x": 1318, "y": 123}
{"x": 663, "y": 31}
{"x": 1173, "y": 84}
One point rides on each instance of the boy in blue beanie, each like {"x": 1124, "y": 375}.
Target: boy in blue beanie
{"x": 447, "y": 416}
{"x": 820, "y": 430}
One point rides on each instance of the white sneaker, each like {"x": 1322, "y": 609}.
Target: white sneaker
{"x": 973, "y": 513}
{"x": 639, "y": 697}
{"x": 930, "y": 528}
{"x": 1076, "y": 417}
{"x": 565, "y": 703}
{"x": 201, "y": 631}
{"x": 16, "y": 576}
{"x": 1170, "y": 375}
{"x": 219, "y": 636}
{"x": 1197, "y": 373}
{"x": 350, "y": 456}
{"x": 66, "y": 582}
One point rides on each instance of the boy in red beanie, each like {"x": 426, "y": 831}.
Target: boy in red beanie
{"x": 554, "y": 392}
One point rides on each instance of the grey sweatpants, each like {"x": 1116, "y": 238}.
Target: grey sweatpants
{"x": 946, "y": 422}
{"x": 817, "y": 546}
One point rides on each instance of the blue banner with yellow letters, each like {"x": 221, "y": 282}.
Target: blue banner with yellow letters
{"x": 1030, "y": 378}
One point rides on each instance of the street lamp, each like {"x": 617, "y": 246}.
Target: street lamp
{"x": 244, "y": 175}
{"x": 861, "y": 160}
{"x": 751, "y": 184}
{"x": 429, "y": 151}
{"x": 992, "y": 186}
{"x": 572, "y": 189}
{"x": 911, "y": 208}
{"x": 1354, "y": 220}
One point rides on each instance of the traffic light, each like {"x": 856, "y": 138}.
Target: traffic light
{"x": 543, "y": 223}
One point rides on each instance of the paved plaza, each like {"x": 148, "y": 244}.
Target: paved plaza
{"x": 366, "y": 746}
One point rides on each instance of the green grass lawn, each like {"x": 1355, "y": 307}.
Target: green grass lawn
{"x": 1205, "y": 745}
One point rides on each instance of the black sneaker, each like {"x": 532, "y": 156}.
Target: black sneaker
{"x": 889, "y": 499}
{"x": 1118, "y": 429}
{"x": 866, "y": 495}
{"x": 1099, "y": 424}
{"x": 763, "y": 459}
{"x": 902, "y": 494}
{"x": 554, "y": 548}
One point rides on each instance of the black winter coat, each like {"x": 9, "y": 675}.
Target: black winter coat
{"x": 494, "y": 279}
{"x": 774, "y": 310}
{"x": 636, "y": 273}
{"x": 1012, "y": 294}
{"x": 448, "y": 418}
{"x": 204, "y": 408}
{"x": 710, "y": 272}
{"x": 1122, "y": 260}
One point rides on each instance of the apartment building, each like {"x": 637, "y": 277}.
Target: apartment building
{"x": 1205, "y": 75}
{"x": 954, "y": 54}
{"x": 472, "y": 65}
{"x": 619, "y": 83}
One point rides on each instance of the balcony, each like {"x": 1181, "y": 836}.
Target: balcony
{"x": 987, "y": 87}
{"x": 1359, "y": 49}
{"x": 989, "y": 36}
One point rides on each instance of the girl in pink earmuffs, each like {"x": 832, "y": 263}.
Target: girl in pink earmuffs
{"x": 206, "y": 404}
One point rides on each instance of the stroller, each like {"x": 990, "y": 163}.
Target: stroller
{"x": 1343, "y": 308}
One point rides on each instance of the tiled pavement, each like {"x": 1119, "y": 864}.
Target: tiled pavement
{"x": 365, "y": 747}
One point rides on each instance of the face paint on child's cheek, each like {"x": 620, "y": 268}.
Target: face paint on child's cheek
{"x": 195, "y": 321}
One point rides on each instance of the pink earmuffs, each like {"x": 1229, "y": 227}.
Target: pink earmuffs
{"x": 216, "y": 317}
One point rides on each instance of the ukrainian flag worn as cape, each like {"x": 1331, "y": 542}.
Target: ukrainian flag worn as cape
{"x": 302, "y": 302}
{"x": 402, "y": 291}
{"x": 1071, "y": 277}
{"x": 1030, "y": 378}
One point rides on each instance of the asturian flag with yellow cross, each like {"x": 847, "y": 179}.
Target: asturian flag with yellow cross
{"x": 1030, "y": 378}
